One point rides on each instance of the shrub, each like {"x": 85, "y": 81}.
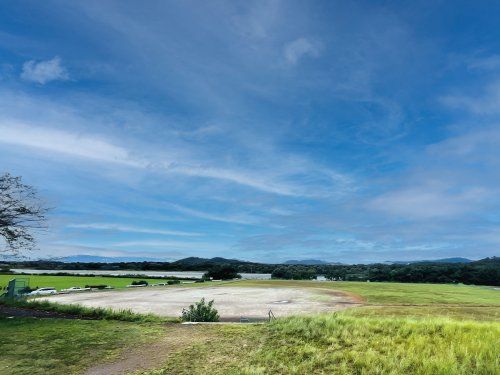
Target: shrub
{"x": 222, "y": 273}
{"x": 172, "y": 282}
{"x": 140, "y": 282}
{"x": 26, "y": 290}
{"x": 100, "y": 286}
{"x": 200, "y": 312}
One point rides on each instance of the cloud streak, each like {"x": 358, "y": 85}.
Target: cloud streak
{"x": 97, "y": 149}
{"x": 300, "y": 48}
{"x": 43, "y": 72}
{"x": 131, "y": 229}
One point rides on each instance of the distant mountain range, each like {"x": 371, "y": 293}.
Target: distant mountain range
{"x": 98, "y": 259}
{"x": 196, "y": 261}
{"x": 190, "y": 261}
{"x": 306, "y": 262}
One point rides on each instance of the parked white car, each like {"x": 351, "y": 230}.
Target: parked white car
{"x": 43, "y": 291}
{"x": 74, "y": 289}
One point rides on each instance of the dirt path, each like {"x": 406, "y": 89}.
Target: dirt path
{"x": 152, "y": 355}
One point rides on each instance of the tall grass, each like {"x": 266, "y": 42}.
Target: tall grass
{"x": 336, "y": 344}
{"x": 85, "y": 312}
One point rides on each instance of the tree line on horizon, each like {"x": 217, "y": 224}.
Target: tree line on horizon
{"x": 482, "y": 272}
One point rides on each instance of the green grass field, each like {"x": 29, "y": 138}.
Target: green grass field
{"x": 402, "y": 329}
{"x": 62, "y": 282}
{"x": 58, "y": 346}
{"x": 398, "y": 293}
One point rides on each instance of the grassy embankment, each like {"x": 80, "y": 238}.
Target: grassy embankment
{"x": 421, "y": 338}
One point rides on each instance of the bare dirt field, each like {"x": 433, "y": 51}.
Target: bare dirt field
{"x": 231, "y": 302}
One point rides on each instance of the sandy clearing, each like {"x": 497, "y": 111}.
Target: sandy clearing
{"x": 231, "y": 302}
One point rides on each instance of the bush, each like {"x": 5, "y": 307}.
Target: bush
{"x": 200, "y": 312}
{"x": 140, "y": 282}
{"x": 172, "y": 282}
{"x": 222, "y": 273}
{"x": 26, "y": 290}
{"x": 100, "y": 286}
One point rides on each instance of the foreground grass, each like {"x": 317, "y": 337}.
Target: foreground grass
{"x": 340, "y": 345}
{"x": 58, "y": 346}
{"x": 325, "y": 344}
{"x": 336, "y": 344}
{"x": 86, "y": 312}
{"x": 419, "y": 329}
{"x": 478, "y": 313}
{"x": 62, "y": 282}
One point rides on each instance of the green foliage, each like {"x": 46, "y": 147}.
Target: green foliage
{"x": 100, "y": 286}
{"x": 26, "y": 290}
{"x": 140, "y": 282}
{"x": 224, "y": 272}
{"x": 82, "y": 311}
{"x": 200, "y": 312}
{"x": 294, "y": 272}
{"x": 63, "y": 346}
{"x": 482, "y": 272}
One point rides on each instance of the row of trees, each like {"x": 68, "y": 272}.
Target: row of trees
{"x": 482, "y": 272}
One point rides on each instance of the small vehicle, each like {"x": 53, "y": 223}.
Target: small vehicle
{"x": 74, "y": 289}
{"x": 43, "y": 291}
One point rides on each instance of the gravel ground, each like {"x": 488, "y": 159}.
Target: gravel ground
{"x": 231, "y": 302}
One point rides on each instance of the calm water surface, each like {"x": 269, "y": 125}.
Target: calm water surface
{"x": 190, "y": 274}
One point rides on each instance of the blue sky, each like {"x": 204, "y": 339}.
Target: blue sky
{"x": 260, "y": 130}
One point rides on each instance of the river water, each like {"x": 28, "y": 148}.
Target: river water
{"x": 187, "y": 274}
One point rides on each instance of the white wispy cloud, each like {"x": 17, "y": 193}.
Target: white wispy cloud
{"x": 485, "y": 63}
{"x": 294, "y": 51}
{"x": 56, "y": 250}
{"x": 228, "y": 218}
{"x": 238, "y": 177}
{"x": 200, "y": 246}
{"x": 44, "y": 71}
{"x": 485, "y": 103}
{"x": 65, "y": 142}
{"x": 430, "y": 202}
{"x": 133, "y": 229}
{"x": 98, "y": 149}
